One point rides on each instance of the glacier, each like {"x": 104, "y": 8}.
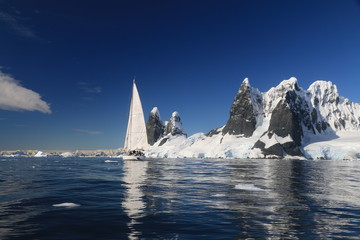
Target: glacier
{"x": 287, "y": 121}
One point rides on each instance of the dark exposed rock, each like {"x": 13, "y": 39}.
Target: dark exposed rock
{"x": 291, "y": 149}
{"x": 286, "y": 114}
{"x": 316, "y": 101}
{"x": 163, "y": 141}
{"x": 167, "y": 128}
{"x": 157, "y": 130}
{"x": 314, "y": 116}
{"x": 154, "y": 127}
{"x": 242, "y": 119}
{"x": 213, "y": 132}
{"x": 275, "y": 151}
{"x": 321, "y": 126}
{"x": 300, "y": 109}
{"x": 284, "y": 122}
{"x": 174, "y": 126}
{"x": 288, "y": 119}
{"x": 278, "y": 150}
{"x": 342, "y": 122}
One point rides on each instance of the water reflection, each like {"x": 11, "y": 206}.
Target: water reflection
{"x": 303, "y": 199}
{"x": 291, "y": 207}
{"x": 181, "y": 199}
{"x": 133, "y": 203}
{"x": 15, "y": 207}
{"x": 274, "y": 199}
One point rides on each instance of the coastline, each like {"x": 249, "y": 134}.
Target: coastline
{"x": 63, "y": 153}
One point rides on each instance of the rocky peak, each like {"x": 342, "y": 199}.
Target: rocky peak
{"x": 276, "y": 94}
{"x": 245, "y": 84}
{"x": 175, "y": 115}
{"x": 273, "y": 124}
{"x": 283, "y": 87}
{"x": 244, "y": 110}
{"x": 287, "y": 121}
{"x": 155, "y": 112}
{"x": 323, "y": 92}
{"x": 287, "y": 108}
{"x": 174, "y": 126}
{"x": 290, "y": 84}
{"x": 332, "y": 110}
{"x": 154, "y": 126}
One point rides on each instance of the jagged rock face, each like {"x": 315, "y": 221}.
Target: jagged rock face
{"x": 284, "y": 122}
{"x": 331, "y": 111}
{"x": 288, "y": 118}
{"x": 242, "y": 119}
{"x": 174, "y": 126}
{"x": 171, "y": 128}
{"x": 279, "y": 122}
{"x": 274, "y": 151}
{"x": 154, "y": 127}
{"x": 300, "y": 109}
{"x": 213, "y": 132}
{"x": 163, "y": 141}
{"x": 291, "y": 113}
{"x": 167, "y": 128}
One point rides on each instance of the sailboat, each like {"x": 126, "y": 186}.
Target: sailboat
{"x": 136, "y": 138}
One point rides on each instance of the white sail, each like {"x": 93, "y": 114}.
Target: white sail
{"x": 136, "y": 137}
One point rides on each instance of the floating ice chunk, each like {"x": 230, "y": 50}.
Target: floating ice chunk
{"x": 219, "y": 195}
{"x": 248, "y": 187}
{"x": 110, "y": 161}
{"x": 67, "y": 205}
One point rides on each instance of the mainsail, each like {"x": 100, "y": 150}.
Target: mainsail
{"x": 136, "y": 137}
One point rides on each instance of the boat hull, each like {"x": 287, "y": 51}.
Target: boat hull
{"x": 133, "y": 158}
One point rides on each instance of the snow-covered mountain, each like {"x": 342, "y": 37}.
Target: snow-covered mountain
{"x": 159, "y": 131}
{"x": 286, "y": 121}
{"x": 154, "y": 126}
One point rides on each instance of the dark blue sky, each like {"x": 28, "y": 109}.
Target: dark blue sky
{"x": 187, "y": 56}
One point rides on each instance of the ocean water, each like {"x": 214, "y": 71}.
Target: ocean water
{"x": 99, "y": 198}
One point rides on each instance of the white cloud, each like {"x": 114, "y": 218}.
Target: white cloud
{"x": 15, "y": 97}
{"x": 88, "y": 131}
{"x": 14, "y": 22}
{"x": 86, "y": 88}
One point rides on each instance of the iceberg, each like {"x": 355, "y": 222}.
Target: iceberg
{"x": 67, "y": 154}
{"x": 66, "y": 205}
{"x": 40, "y": 154}
{"x": 248, "y": 187}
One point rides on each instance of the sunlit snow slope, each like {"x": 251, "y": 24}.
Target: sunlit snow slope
{"x": 284, "y": 122}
